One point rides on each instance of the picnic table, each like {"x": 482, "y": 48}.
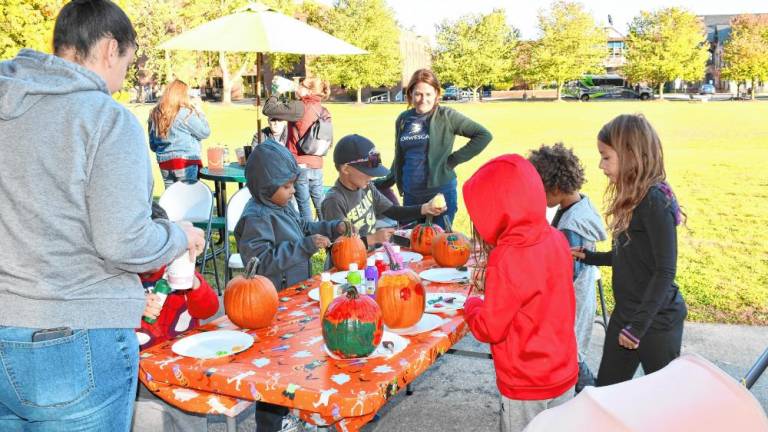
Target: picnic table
{"x": 289, "y": 366}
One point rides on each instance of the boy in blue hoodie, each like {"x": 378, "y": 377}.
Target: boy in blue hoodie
{"x": 562, "y": 175}
{"x": 272, "y": 230}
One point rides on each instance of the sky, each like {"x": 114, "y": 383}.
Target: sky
{"x": 422, "y": 15}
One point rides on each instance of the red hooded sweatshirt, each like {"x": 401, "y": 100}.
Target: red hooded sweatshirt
{"x": 528, "y": 312}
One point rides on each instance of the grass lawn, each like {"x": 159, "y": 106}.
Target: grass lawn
{"x": 716, "y": 157}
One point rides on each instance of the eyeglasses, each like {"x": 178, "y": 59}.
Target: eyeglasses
{"x": 372, "y": 161}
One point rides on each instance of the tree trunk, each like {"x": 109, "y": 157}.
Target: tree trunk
{"x": 661, "y": 90}
{"x": 360, "y": 95}
{"x": 226, "y": 79}
{"x": 559, "y": 90}
{"x": 754, "y": 84}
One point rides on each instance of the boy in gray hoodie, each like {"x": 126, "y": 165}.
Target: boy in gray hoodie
{"x": 562, "y": 175}
{"x": 272, "y": 230}
{"x": 76, "y": 228}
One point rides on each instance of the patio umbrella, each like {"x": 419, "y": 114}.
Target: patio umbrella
{"x": 257, "y": 28}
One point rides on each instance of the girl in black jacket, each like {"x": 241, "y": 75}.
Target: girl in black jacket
{"x": 646, "y": 326}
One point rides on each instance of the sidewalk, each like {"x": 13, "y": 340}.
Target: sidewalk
{"x": 459, "y": 393}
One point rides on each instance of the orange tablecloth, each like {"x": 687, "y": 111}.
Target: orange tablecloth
{"x": 288, "y": 366}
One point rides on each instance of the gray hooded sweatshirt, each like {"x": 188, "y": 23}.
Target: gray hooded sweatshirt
{"x": 278, "y": 236}
{"x": 77, "y": 188}
{"x": 582, "y": 226}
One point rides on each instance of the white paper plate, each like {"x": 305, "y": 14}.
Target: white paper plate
{"x": 314, "y": 293}
{"x": 408, "y": 256}
{"x": 426, "y": 323}
{"x": 436, "y": 302}
{"x": 340, "y": 277}
{"x": 398, "y": 344}
{"x": 445, "y": 275}
{"x": 213, "y": 344}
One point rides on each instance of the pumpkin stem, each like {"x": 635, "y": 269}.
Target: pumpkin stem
{"x": 429, "y": 220}
{"x": 348, "y": 227}
{"x": 448, "y": 227}
{"x": 250, "y": 268}
{"x": 350, "y": 291}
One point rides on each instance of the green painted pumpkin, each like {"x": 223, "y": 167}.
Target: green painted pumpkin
{"x": 352, "y": 325}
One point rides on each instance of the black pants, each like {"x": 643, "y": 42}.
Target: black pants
{"x": 269, "y": 418}
{"x": 656, "y": 350}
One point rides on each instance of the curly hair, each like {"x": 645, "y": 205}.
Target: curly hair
{"x": 558, "y": 167}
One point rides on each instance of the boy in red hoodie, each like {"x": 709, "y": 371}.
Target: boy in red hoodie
{"x": 527, "y": 315}
{"x": 180, "y": 312}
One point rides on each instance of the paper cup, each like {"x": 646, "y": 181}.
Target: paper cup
{"x": 181, "y": 272}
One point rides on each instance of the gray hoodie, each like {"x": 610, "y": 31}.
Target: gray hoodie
{"x": 278, "y": 236}
{"x": 77, "y": 188}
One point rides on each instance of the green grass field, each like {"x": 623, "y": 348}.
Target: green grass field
{"x": 716, "y": 157}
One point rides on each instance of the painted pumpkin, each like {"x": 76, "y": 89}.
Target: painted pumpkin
{"x": 250, "y": 300}
{"x": 450, "y": 249}
{"x": 348, "y": 249}
{"x": 399, "y": 293}
{"x": 423, "y": 235}
{"x": 352, "y": 325}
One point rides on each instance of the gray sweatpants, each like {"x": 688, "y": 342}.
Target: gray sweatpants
{"x": 516, "y": 414}
{"x": 152, "y": 414}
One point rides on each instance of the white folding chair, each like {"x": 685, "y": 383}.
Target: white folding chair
{"x": 235, "y": 209}
{"x": 192, "y": 202}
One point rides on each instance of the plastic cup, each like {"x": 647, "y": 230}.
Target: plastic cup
{"x": 216, "y": 158}
{"x": 180, "y": 273}
{"x": 240, "y": 153}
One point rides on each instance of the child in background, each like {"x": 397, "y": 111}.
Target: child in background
{"x": 272, "y": 230}
{"x": 176, "y": 127}
{"x": 276, "y": 130}
{"x": 526, "y": 272}
{"x": 646, "y": 326}
{"x": 180, "y": 312}
{"x": 354, "y": 197}
{"x": 562, "y": 175}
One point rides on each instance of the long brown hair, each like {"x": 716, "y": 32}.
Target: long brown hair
{"x": 480, "y": 252}
{"x": 317, "y": 86}
{"x": 423, "y": 76}
{"x": 175, "y": 97}
{"x": 641, "y": 165}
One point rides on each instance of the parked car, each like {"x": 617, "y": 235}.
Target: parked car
{"x": 452, "y": 93}
{"x": 707, "y": 89}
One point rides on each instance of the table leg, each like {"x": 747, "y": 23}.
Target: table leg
{"x": 231, "y": 424}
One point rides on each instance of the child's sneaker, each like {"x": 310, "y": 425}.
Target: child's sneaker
{"x": 291, "y": 423}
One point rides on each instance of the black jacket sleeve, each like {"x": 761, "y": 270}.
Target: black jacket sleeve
{"x": 403, "y": 213}
{"x": 598, "y": 258}
{"x": 659, "y": 222}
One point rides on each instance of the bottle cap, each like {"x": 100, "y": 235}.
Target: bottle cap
{"x": 353, "y": 267}
{"x": 325, "y": 277}
{"x": 371, "y": 261}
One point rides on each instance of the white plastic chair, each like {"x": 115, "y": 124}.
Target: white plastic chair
{"x": 192, "y": 202}
{"x": 235, "y": 209}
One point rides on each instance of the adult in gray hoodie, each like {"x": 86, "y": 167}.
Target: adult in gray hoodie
{"x": 76, "y": 228}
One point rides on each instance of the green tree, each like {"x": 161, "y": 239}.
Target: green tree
{"x": 27, "y": 24}
{"x": 746, "y": 52}
{"x": 571, "y": 44}
{"x": 665, "y": 45}
{"x": 526, "y": 70}
{"x": 369, "y": 25}
{"x": 475, "y": 50}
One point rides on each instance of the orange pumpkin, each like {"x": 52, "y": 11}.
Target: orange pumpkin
{"x": 250, "y": 300}
{"x": 450, "y": 249}
{"x": 399, "y": 294}
{"x": 423, "y": 235}
{"x": 348, "y": 249}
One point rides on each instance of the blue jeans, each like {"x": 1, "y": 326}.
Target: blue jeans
{"x": 186, "y": 175}
{"x": 83, "y": 382}
{"x": 309, "y": 185}
{"x": 451, "y": 201}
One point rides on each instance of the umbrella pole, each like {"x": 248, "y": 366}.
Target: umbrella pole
{"x": 258, "y": 95}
